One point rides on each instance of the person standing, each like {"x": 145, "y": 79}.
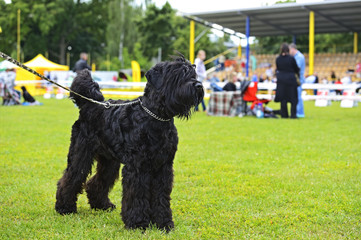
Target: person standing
{"x": 254, "y": 62}
{"x": 82, "y": 63}
{"x": 301, "y": 63}
{"x": 286, "y": 90}
{"x": 201, "y": 71}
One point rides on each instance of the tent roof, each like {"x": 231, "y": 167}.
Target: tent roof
{"x": 331, "y": 16}
{"x": 6, "y": 65}
{"x": 41, "y": 62}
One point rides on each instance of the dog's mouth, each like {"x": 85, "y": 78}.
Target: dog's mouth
{"x": 200, "y": 92}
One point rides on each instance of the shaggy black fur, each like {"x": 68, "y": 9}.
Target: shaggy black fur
{"x": 129, "y": 135}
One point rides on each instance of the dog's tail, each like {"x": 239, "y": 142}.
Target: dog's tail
{"x": 84, "y": 85}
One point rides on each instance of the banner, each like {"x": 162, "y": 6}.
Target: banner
{"x": 68, "y": 76}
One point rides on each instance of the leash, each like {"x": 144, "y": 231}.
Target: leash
{"x": 106, "y": 104}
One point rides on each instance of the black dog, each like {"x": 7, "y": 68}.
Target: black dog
{"x": 27, "y": 96}
{"x": 141, "y": 135}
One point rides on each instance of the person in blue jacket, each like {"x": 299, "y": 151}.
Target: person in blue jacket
{"x": 301, "y": 63}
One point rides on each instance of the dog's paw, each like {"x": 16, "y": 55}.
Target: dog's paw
{"x": 167, "y": 227}
{"x": 109, "y": 206}
{"x": 141, "y": 225}
{"x": 65, "y": 210}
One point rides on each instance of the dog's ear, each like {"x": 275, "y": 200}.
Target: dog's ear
{"x": 154, "y": 77}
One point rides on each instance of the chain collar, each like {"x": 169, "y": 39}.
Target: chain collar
{"x": 107, "y": 104}
{"x": 152, "y": 114}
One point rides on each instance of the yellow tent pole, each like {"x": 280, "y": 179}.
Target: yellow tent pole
{"x": 93, "y": 67}
{"x": 239, "y": 51}
{"x": 311, "y": 43}
{"x": 191, "y": 42}
{"x": 355, "y": 42}
{"x": 136, "y": 72}
{"x": 18, "y": 44}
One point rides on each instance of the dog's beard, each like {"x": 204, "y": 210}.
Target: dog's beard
{"x": 173, "y": 86}
{"x": 185, "y": 99}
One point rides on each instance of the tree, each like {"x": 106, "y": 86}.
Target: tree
{"x": 161, "y": 28}
{"x": 52, "y": 26}
{"x": 157, "y": 30}
{"x": 121, "y": 27}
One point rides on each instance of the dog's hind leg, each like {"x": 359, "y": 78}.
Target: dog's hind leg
{"x": 162, "y": 184}
{"x": 98, "y": 187}
{"x": 136, "y": 196}
{"x": 80, "y": 159}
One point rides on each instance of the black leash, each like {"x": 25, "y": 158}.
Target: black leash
{"x": 106, "y": 104}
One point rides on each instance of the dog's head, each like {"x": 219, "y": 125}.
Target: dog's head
{"x": 173, "y": 86}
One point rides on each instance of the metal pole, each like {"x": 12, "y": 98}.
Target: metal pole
{"x": 218, "y": 55}
{"x": 247, "y": 47}
{"x": 68, "y": 59}
{"x": 108, "y": 62}
{"x": 18, "y": 43}
{"x": 355, "y": 42}
{"x": 159, "y": 55}
{"x": 311, "y": 43}
{"x": 200, "y": 35}
{"x": 294, "y": 39}
{"x": 191, "y": 42}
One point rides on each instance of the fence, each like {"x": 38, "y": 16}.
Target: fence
{"x": 134, "y": 89}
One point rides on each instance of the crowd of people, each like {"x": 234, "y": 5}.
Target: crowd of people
{"x": 289, "y": 75}
{"x": 9, "y": 94}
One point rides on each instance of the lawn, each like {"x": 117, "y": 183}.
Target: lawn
{"x": 235, "y": 178}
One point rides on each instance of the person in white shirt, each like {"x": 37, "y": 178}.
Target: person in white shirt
{"x": 201, "y": 71}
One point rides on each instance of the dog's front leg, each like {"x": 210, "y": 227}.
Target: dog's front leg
{"x": 162, "y": 184}
{"x": 136, "y": 196}
{"x": 80, "y": 159}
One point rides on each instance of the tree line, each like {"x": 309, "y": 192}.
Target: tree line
{"x": 113, "y": 32}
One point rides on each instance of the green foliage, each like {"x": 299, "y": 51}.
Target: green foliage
{"x": 332, "y": 43}
{"x": 235, "y": 178}
{"x": 104, "y": 27}
{"x": 140, "y": 58}
{"x": 157, "y": 30}
{"x": 52, "y": 26}
{"x": 101, "y": 28}
{"x": 121, "y": 26}
{"x": 285, "y": 1}
{"x": 112, "y": 64}
{"x": 161, "y": 28}
{"x": 204, "y": 43}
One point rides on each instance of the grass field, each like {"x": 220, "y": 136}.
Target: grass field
{"x": 235, "y": 178}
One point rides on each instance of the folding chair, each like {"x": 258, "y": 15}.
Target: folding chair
{"x": 250, "y": 96}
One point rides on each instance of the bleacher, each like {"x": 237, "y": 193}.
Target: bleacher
{"x": 324, "y": 63}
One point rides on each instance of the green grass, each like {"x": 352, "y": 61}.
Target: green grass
{"x": 235, "y": 178}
